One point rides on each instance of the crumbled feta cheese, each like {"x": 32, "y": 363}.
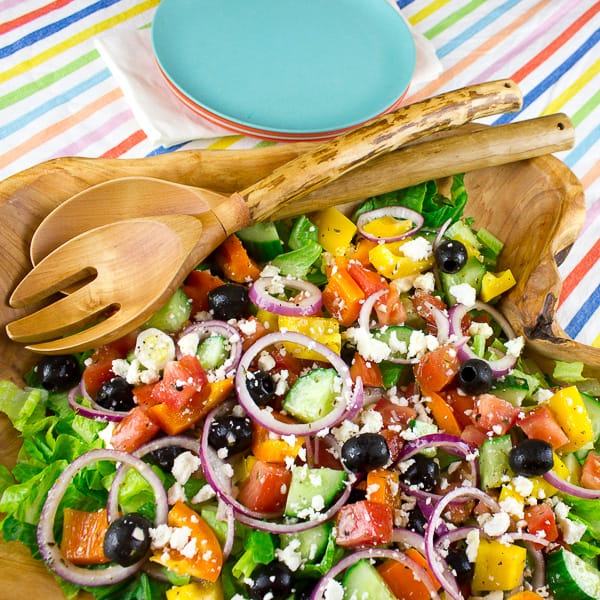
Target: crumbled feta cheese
{"x": 416, "y": 249}
{"x": 512, "y": 506}
{"x": 372, "y": 421}
{"x": 180, "y": 536}
{"x": 176, "y": 493}
{"x": 464, "y": 293}
{"x": 482, "y": 329}
{"x": 522, "y": 485}
{"x": 290, "y": 555}
{"x": 206, "y": 492}
{"x": 247, "y": 326}
{"x": 404, "y": 284}
{"x": 333, "y": 591}
{"x": 425, "y": 282}
{"x": 368, "y": 347}
{"x": 497, "y": 524}
{"x": 266, "y": 362}
{"x": 184, "y": 465}
{"x": 106, "y": 435}
{"x": 160, "y": 535}
{"x": 190, "y": 549}
{"x": 515, "y": 346}
{"x": 472, "y": 545}
{"x": 188, "y": 343}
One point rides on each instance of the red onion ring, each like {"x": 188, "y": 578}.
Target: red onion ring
{"x": 309, "y": 303}
{"x": 229, "y": 517}
{"x": 436, "y": 562}
{"x": 50, "y": 550}
{"x": 346, "y": 562}
{"x": 566, "y": 487}
{"x": 364, "y": 315}
{"x": 205, "y": 329}
{"x": 95, "y": 412}
{"x": 346, "y": 401}
{"x": 409, "y": 539}
{"x": 440, "y": 233}
{"x": 442, "y": 322}
{"x": 398, "y": 212}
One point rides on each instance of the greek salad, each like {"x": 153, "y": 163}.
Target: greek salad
{"x": 330, "y": 407}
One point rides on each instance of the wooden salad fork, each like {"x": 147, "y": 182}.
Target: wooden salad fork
{"x": 132, "y": 267}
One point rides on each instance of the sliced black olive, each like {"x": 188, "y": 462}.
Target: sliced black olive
{"x": 273, "y": 581}
{"x": 421, "y": 472}
{"x": 531, "y": 457}
{"x": 229, "y": 301}
{"x": 451, "y": 256}
{"x": 365, "y": 451}
{"x": 459, "y": 562}
{"x": 475, "y": 376}
{"x": 116, "y": 394}
{"x": 127, "y": 539}
{"x": 261, "y": 387}
{"x": 58, "y": 373}
{"x": 231, "y": 432}
{"x": 165, "y": 457}
{"x": 416, "y": 521}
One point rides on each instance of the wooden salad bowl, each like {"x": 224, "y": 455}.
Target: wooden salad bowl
{"x": 535, "y": 206}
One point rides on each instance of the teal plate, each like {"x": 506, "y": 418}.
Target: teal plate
{"x": 287, "y": 66}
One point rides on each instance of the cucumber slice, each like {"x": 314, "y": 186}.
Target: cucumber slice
{"x": 493, "y": 461}
{"x": 592, "y": 406}
{"x": 212, "y": 352}
{"x": 397, "y": 337}
{"x": 313, "y": 395}
{"x": 172, "y": 316}
{"x": 512, "y": 389}
{"x": 312, "y": 490}
{"x": 471, "y": 273}
{"x": 261, "y": 241}
{"x": 570, "y": 577}
{"x": 363, "y": 581}
{"x": 313, "y": 541}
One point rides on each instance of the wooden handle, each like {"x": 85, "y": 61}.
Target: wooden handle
{"x": 383, "y": 134}
{"x": 459, "y": 151}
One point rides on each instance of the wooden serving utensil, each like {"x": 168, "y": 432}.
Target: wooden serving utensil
{"x": 137, "y": 196}
{"x": 128, "y": 282}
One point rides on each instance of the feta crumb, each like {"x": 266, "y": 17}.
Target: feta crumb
{"x": 106, "y": 435}
{"x": 416, "y": 249}
{"x": 184, "y": 465}
{"x": 497, "y": 524}
{"x": 472, "y": 545}
{"x": 425, "y": 282}
{"x": 290, "y": 555}
{"x": 206, "y": 492}
{"x": 188, "y": 343}
{"x": 368, "y": 347}
{"x": 515, "y": 346}
{"x": 464, "y": 293}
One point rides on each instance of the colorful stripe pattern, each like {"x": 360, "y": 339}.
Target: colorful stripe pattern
{"x": 57, "y": 98}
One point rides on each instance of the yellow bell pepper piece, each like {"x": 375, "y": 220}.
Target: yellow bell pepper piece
{"x": 541, "y": 488}
{"x": 387, "y": 227}
{"x": 494, "y": 284}
{"x": 571, "y": 414}
{"x": 389, "y": 261}
{"x": 498, "y": 566}
{"x": 268, "y": 319}
{"x": 321, "y": 329}
{"x": 336, "y": 230}
{"x": 204, "y": 590}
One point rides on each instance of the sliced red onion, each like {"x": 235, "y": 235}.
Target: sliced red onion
{"x": 215, "y": 327}
{"x": 450, "y": 443}
{"x": 566, "y": 487}
{"x": 95, "y": 412}
{"x": 408, "y": 539}
{"x": 346, "y": 399}
{"x": 50, "y": 550}
{"x": 398, "y": 212}
{"x": 436, "y": 562}
{"x": 320, "y": 589}
{"x": 225, "y": 513}
{"x": 440, "y": 234}
{"x": 364, "y": 316}
{"x": 309, "y": 302}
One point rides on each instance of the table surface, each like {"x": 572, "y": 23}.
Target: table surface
{"x": 58, "y": 98}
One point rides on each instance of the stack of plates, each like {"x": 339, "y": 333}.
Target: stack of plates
{"x": 284, "y": 69}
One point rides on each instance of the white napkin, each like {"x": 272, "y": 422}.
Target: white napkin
{"x": 161, "y": 115}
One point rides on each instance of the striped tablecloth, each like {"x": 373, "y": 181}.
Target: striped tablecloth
{"x": 57, "y": 97}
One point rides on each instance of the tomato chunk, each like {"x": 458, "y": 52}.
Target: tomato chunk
{"x": 265, "y": 489}
{"x": 541, "y": 424}
{"x": 494, "y": 415}
{"x": 436, "y": 369}
{"x": 364, "y": 523}
{"x": 540, "y": 520}
{"x": 134, "y": 430}
{"x": 590, "y": 472}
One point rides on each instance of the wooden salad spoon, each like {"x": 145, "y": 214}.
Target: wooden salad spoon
{"x": 140, "y": 196}
{"x": 133, "y": 267}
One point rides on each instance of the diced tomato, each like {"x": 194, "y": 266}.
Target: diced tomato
{"x": 367, "y": 370}
{"x": 462, "y": 405}
{"x": 369, "y": 281}
{"x": 364, "y": 523}
{"x": 473, "y": 435}
{"x": 196, "y": 288}
{"x": 494, "y": 415}
{"x": 540, "y": 520}
{"x": 249, "y": 338}
{"x": 83, "y": 536}
{"x": 207, "y": 561}
{"x": 436, "y": 369}
{"x": 540, "y": 423}
{"x": 403, "y": 582}
{"x": 394, "y": 414}
{"x": 266, "y": 488}
{"x": 423, "y": 303}
{"x": 324, "y": 452}
{"x": 590, "y": 472}
{"x": 395, "y": 442}
{"x": 389, "y": 308}
{"x": 181, "y": 380}
{"x": 134, "y": 430}
{"x": 142, "y": 395}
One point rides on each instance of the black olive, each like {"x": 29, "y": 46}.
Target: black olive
{"x": 229, "y": 301}
{"x": 348, "y": 352}
{"x": 356, "y": 495}
{"x": 261, "y": 387}
{"x": 273, "y": 580}
{"x": 365, "y": 451}
{"x": 531, "y": 457}
{"x": 231, "y": 432}
{"x": 58, "y": 373}
{"x": 416, "y": 521}
{"x": 422, "y": 472}
{"x": 451, "y": 256}
{"x": 475, "y": 376}
{"x": 127, "y": 539}
{"x": 165, "y": 457}
{"x": 116, "y": 394}
{"x": 458, "y": 561}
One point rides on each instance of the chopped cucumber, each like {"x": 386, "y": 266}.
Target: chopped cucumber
{"x": 212, "y": 352}
{"x": 363, "y": 581}
{"x": 313, "y": 395}
{"x": 570, "y": 577}
{"x": 397, "y": 337}
{"x": 172, "y": 316}
{"x": 493, "y": 461}
{"x": 459, "y": 230}
{"x": 261, "y": 241}
{"x": 592, "y": 406}
{"x": 511, "y": 388}
{"x": 490, "y": 241}
{"x": 312, "y": 490}
{"x": 471, "y": 273}
{"x": 312, "y": 542}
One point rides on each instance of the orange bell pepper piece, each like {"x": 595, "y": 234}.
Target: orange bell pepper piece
{"x": 271, "y": 448}
{"x": 232, "y": 258}
{"x": 83, "y": 536}
{"x": 443, "y": 414}
{"x": 382, "y": 487}
{"x": 196, "y": 287}
{"x": 342, "y": 296}
{"x": 368, "y": 371}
